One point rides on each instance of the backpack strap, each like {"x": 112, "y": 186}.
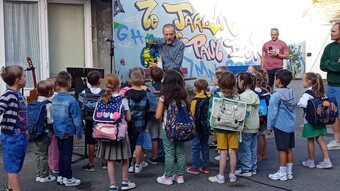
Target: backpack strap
{"x": 88, "y": 91}
{"x": 310, "y": 92}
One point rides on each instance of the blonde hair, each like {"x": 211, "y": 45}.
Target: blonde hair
{"x": 112, "y": 84}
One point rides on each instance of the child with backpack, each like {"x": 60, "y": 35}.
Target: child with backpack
{"x": 227, "y": 141}
{"x": 39, "y": 124}
{"x": 119, "y": 150}
{"x": 282, "y": 120}
{"x": 264, "y": 97}
{"x": 248, "y": 146}
{"x": 88, "y": 99}
{"x": 173, "y": 90}
{"x": 154, "y": 126}
{"x": 14, "y": 135}
{"x": 53, "y": 152}
{"x": 139, "y": 106}
{"x": 67, "y": 122}
{"x": 314, "y": 84}
{"x": 199, "y": 109}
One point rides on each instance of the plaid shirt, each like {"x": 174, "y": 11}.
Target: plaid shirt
{"x": 138, "y": 109}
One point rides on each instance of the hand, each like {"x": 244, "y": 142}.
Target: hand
{"x": 269, "y": 132}
{"x": 153, "y": 65}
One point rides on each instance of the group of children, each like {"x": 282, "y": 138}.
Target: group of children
{"x": 144, "y": 116}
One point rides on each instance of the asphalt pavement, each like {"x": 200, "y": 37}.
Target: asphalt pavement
{"x": 304, "y": 178}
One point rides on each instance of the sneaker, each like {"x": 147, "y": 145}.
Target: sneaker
{"x": 37, "y": 178}
{"x": 55, "y": 171}
{"x": 60, "y": 180}
{"x": 254, "y": 172}
{"x": 324, "y": 164}
{"x": 153, "y": 160}
{"x": 216, "y": 179}
{"x": 278, "y": 176}
{"x": 104, "y": 166}
{"x": 290, "y": 176}
{"x": 88, "y": 168}
{"x": 71, "y": 182}
{"x": 128, "y": 185}
{"x": 213, "y": 144}
{"x": 138, "y": 168}
{"x": 193, "y": 170}
{"x": 205, "y": 170}
{"x": 333, "y": 145}
{"x": 144, "y": 164}
{"x": 164, "y": 180}
{"x": 243, "y": 173}
{"x": 308, "y": 163}
{"x": 48, "y": 178}
{"x": 113, "y": 188}
{"x": 132, "y": 168}
{"x": 178, "y": 179}
{"x": 218, "y": 157}
{"x": 232, "y": 177}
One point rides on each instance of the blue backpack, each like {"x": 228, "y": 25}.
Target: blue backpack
{"x": 152, "y": 97}
{"x": 321, "y": 110}
{"x": 179, "y": 125}
{"x": 37, "y": 115}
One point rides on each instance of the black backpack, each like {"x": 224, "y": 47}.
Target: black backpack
{"x": 201, "y": 114}
{"x": 87, "y": 102}
{"x": 37, "y": 115}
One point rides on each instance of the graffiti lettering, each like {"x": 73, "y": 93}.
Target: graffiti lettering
{"x": 149, "y": 21}
{"x": 123, "y": 35}
{"x": 212, "y": 52}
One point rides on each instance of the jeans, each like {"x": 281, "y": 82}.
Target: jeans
{"x": 65, "y": 156}
{"x": 41, "y": 155}
{"x": 171, "y": 149}
{"x": 200, "y": 144}
{"x": 248, "y": 152}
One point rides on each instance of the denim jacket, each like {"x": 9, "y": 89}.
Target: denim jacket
{"x": 66, "y": 115}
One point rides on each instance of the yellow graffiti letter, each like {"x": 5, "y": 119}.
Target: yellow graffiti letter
{"x": 148, "y": 20}
{"x": 179, "y": 9}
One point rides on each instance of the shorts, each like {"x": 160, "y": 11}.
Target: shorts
{"x": 89, "y": 133}
{"x": 284, "y": 140}
{"x": 333, "y": 92}
{"x": 154, "y": 127}
{"x": 227, "y": 140}
{"x": 140, "y": 140}
{"x": 14, "y": 149}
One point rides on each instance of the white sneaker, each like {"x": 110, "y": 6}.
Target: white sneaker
{"x": 48, "y": 178}
{"x": 332, "y": 145}
{"x": 71, "y": 182}
{"x": 290, "y": 176}
{"x": 232, "y": 177}
{"x": 128, "y": 185}
{"x": 60, "y": 180}
{"x": 216, "y": 179}
{"x": 218, "y": 157}
{"x": 178, "y": 179}
{"x": 324, "y": 164}
{"x": 37, "y": 178}
{"x": 278, "y": 176}
{"x": 308, "y": 163}
{"x": 144, "y": 164}
{"x": 132, "y": 168}
{"x": 164, "y": 180}
{"x": 138, "y": 169}
{"x": 243, "y": 173}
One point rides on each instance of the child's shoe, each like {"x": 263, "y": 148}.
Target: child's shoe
{"x": 178, "y": 179}
{"x": 144, "y": 164}
{"x": 88, "y": 168}
{"x": 324, "y": 164}
{"x": 127, "y": 185}
{"x": 138, "y": 168}
{"x": 243, "y": 173}
{"x": 308, "y": 163}
{"x": 205, "y": 170}
{"x": 232, "y": 177}
{"x": 132, "y": 168}
{"x": 55, "y": 171}
{"x": 104, "y": 166}
{"x": 37, "y": 178}
{"x": 153, "y": 160}
{"x": 60, "y": 180}
{"x": 290, "y": 176}
{"x": 48, "y": 178}
{"x": 193, "y": 170}
{"x": 278, "y": 176}
{"x": 71, "y": 182}
{"x": 113, "y": 188}
{"x": 164, "y": 180}
{"x": 217, "y": 179}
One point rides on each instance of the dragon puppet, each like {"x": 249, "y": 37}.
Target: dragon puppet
{"x": 149, "y": 53}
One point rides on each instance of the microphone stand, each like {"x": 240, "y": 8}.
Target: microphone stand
{"x": 111, "y": 54}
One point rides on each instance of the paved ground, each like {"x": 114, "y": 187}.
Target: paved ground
{"x": 304, "y": 178}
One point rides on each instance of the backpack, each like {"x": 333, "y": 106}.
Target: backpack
{"x": 321, "y": 111}
{"x": 179, "y": 125}
{"x": 152, "y": 97}
{"x": 87, "y": 102}
{"x": 264, "y": 97}
{"x": 139, "y": 111}
{"x": 110, "y": 113}
{"x": 201, "y": 114}
{"x": 37, "y": 115}
{"x": 228, "y": 114}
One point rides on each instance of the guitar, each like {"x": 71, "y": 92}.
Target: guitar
{"x": 33, "y": 93}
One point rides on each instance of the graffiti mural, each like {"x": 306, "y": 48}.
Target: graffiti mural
{"x": 213, "y": 32}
